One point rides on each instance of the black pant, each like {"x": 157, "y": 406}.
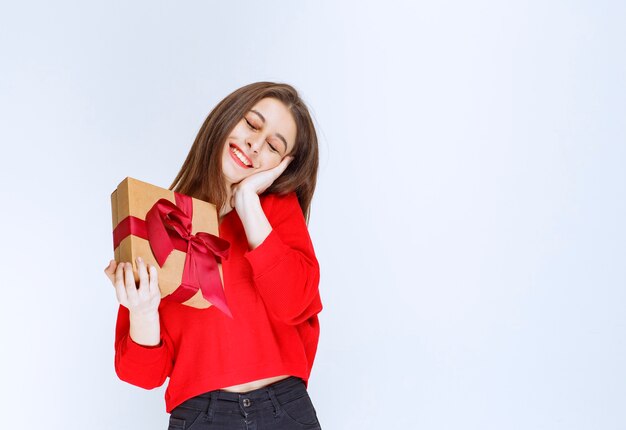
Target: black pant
{"x": 283, "y": 405}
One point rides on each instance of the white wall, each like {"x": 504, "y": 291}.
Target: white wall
{"x": 469, "y": 218}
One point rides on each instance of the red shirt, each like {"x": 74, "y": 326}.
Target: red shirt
{"x": 272, "y": 292}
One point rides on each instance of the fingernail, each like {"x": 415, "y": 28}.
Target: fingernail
{"x": 139, "y": 259}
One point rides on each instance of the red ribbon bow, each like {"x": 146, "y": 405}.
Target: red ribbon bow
{"x": 168, "y": 227}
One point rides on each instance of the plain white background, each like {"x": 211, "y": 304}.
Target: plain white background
{"x": 469, "y": 217}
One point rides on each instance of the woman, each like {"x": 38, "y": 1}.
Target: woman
{"x": 256, "y": 158}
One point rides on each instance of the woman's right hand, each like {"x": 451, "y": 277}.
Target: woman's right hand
{"x": 142, "y": 301}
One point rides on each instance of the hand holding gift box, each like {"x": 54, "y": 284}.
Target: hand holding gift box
{"x": 176, "y": 233}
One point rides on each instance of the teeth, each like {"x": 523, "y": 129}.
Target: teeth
{"x": 240, "y": 156}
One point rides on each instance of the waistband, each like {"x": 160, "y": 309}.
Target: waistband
{"x": 270, "y": 396}
{"x": 283, "y": 390}
{"x": 279, "y": 387}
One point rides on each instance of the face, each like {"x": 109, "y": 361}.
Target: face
{"x": 259, "y": 141}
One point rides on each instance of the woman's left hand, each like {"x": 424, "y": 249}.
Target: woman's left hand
{"x": 257, "y": 183}
{"x": 246, "y": 201}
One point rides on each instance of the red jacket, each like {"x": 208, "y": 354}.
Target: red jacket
{"x": 272, "y": 292}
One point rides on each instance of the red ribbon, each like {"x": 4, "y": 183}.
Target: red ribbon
{"x": 168, "y": 227}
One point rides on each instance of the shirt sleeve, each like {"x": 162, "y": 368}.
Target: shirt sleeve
{"x": 144, "y": 366}
{"x": 285, "y": 269}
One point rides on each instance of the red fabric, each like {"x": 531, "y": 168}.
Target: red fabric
{"x": 273, "y": 294}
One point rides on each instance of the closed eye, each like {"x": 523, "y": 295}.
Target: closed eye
{"x": 250, "y": 125}
{"x": 253, "y": 128}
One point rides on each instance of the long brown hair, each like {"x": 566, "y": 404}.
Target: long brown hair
{"x": 201, "y": 174}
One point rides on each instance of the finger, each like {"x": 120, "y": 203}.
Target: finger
{"x": 154, "y": 280}
{"x": 109, "y": 272}
{"x": 120, "y": 288}
{"x": 129, "y": 279}
{"x": 143, "y": 277}
{"x": 278, "y": 170}
{"x": 286, "y": 161}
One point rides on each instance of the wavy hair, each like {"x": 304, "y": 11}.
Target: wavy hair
{"x": 201, "y": 174}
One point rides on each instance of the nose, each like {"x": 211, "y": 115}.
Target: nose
{"x": 255, "y": 144}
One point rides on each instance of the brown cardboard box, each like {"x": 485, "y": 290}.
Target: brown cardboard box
{"x": 186, "y": 227}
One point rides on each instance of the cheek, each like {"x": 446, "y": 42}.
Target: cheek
{"x": 270, "y": 161}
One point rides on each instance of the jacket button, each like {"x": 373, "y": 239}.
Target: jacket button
{"x": 246, "y": 402}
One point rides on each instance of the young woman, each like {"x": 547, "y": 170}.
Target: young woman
{"x": 256, "y": 158}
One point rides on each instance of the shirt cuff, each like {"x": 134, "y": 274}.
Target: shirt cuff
{"x": 143, "y": 353}
{"x": 266, "y": 255}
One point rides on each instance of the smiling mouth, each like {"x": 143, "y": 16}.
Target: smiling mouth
{"x": 240, "y": 157}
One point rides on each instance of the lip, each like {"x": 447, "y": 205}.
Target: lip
{"x": 237, "y": 160}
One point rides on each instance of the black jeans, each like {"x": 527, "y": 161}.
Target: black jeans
{"x": 283, "y": 405}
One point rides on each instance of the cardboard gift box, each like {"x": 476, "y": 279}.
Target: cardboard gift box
{"x": 177, "y": 234}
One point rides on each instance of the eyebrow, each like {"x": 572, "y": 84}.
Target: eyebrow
{"x": 280, "y": 136}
